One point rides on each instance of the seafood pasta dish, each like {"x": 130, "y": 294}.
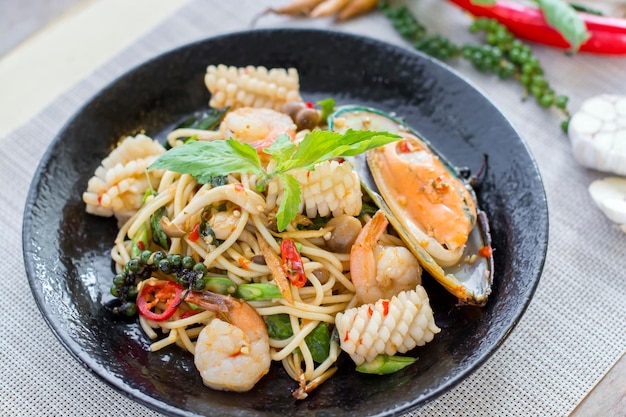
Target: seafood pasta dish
{"x": 271, "y": 229}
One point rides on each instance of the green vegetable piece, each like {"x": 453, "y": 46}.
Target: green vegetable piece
{"x": 257, "y": 291}
{"x": 318, "y": 342}
{"x": 564, "y": 18}
{"x": 206, "y": 120}
{"x": 328, "y": 107}
{"x": 385, "y": 364}
{"x": 136, "y": 247}
{"x": 147, "y": 194}
{"x": 292, "y": 193}
{"x": 220, "y": 285}
{"x": 158, "y": 236}
{"x": 278, "y": 326}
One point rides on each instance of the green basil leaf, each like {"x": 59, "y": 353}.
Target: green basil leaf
{"x": 292, "y": 195}
{"x": 320, "y": 145}
{"x": 282, "y": 149}
{"x": 484, "y": 2}
{"x": 205, "y": 160}
{"x": 561, "y": 16}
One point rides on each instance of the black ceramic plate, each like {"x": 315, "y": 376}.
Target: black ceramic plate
{"x": 66, "y": 251}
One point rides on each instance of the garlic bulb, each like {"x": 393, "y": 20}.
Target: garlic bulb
{"x": 598, "y": 134}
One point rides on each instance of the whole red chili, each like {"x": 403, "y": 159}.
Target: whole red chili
{"x": 608, "y": 34}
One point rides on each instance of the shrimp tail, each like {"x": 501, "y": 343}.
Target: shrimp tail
{"x": 217, "y": 303}
{"x": 362, "y": 260}
{"x": 373, "y": 230}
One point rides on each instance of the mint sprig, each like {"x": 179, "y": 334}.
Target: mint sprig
{"x": 205, "y": 160}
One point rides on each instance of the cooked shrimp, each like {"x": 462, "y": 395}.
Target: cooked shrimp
{"x": 231, "y": 354}
{"x": 381, "y": 271}
{"x": 257, "y": 127}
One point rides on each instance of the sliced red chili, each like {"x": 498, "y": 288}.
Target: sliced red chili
{"x": 194, "y": 235}
{"x": 292, "y": 263}
{"x": 159, "y": 291}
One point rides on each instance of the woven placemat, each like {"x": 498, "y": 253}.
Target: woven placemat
{"x": 573, "y": 330}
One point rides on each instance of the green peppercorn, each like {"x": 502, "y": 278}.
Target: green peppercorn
{"x": 165, "y": 266}
{"x": 176, "y": 260}
{"x": 119, "y": 279}
{"x": 129, "y": 309}
{"x": 561, "y": 102}
{"x": 200, "y": 268}
{"x": 131, "y": 292}
{"x": 198, "y": 284}
{"x": 158, "y": 256}
{"x": 134, "y": 265}
{"x": 115, "y": 292}
{"x": 188, "y": 262}
{"x": 145, "y": 256}
{"x": 546, "y": 100}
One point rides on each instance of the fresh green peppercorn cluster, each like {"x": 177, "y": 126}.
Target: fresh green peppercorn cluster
{"x": 501, "y": 54}
{"x": 524, "y": 63}
{"x": 486, "y": 58}
{"x": 186, "y": 270}
{"x": 412, "y": 30}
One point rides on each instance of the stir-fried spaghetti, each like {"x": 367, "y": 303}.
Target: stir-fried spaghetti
{"x": 237, "y": 245}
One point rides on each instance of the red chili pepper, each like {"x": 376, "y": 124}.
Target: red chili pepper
{"x": 485, "y": 251}
{"x": 194, "y": 235}
{"x": 189, "y": 313}
{"x": 292, "y": 263}
{"x": 385, "y": 307}
{"x": 159, "y": 291}
{"x": 403, "y": 146}
{"x": 608, "y": 34}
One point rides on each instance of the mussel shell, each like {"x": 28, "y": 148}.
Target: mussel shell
{"x": 470, "y": 278}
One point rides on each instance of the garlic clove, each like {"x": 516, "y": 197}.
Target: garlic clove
{"x": 609, "y": 194}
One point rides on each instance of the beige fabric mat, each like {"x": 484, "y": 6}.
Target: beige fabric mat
{"x": 573, "y": 331}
